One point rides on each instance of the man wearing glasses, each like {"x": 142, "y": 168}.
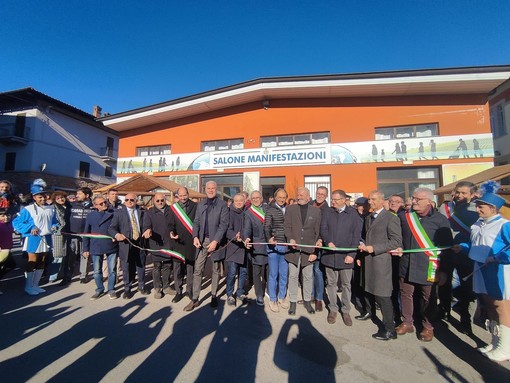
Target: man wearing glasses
{"x": 422, "y": 227}
{"x": 126, "y": 228}
{"x": 98, "y": 222}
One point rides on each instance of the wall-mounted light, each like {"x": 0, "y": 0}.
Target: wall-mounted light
{"x": 265, "y": 104}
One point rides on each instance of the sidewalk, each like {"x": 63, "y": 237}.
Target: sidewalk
{"x": 62, "y": 336}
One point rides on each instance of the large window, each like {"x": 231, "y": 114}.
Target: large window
{"x": 295, "y": 139}
{"x": 10, "y": 161}
{"x": 498, "y": 124}
{"x": 233, "y": 144}
{"x": 84, "y": 170}
{"x": 145, "y": 151}
{"x": 403, "y": 181}
{"x": 408, "y": 131}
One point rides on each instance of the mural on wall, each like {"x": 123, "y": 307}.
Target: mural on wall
{"x": 456, "y": 172}
{"x": 400, "y": 150}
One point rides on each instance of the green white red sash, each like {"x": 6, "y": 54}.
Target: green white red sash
{"x": 183, "y": 217}
{"x": 424, "y": 242}
{"x": 257, "y": 212}
{"x": 450, "y": 214}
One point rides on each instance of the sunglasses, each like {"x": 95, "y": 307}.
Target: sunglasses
{"x": 129, "y": 200}
{"x": 101, "y": 203}
{"x": 159, "y": 200}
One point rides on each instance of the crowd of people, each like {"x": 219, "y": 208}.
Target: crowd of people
{"x": 381, "y": 253}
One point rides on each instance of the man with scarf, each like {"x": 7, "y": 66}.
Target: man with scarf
{"x": 209, "y": 228}
{"x": 182, "y": 214}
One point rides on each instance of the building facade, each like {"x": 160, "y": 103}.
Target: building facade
{"x": 393, "y": 131}
{"x": 43, "y": 137}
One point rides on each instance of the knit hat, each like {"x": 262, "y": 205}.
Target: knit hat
{"x": 489, "y": 195}
{"x": 38, "y": 187}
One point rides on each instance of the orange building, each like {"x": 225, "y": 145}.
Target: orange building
{"x": 392, "y": 130}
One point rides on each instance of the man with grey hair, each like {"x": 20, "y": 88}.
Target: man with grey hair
{"x": 209, "y": 228}
{"x": 302, "y": 226}
{"x": 422, "y": 227}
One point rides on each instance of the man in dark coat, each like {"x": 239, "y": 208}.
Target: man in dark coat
{"x": 417, "y": 269}
{"x": 318, "y": 273}
{"x": 181, "y": 232}
{"x": 127, "y": 224}
{"x": 302, "y": 226}
{"x": 340, "y": 227}
{"x": 383, "y": 234}
{"x": 209, "y": 228}
{"x": 253, "y": 231}
{"x": 235, "y": 252}
{"x": 98, "y": 222}
{"x": 156, "y": 230}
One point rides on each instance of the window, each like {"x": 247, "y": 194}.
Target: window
{"x": 144, "y": 151}
{"x": 84, "y": 170}
{"x": 295, "y": 139}
{"x": 10, "y": 161}
{"x": 108, "y": 171}
{"x": 233, "y": 144}
{"x": 403, "y": 181}
{"x": 498, "y": 125}
{"x": 408, "y": 131}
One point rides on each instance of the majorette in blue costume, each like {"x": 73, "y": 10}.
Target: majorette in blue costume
{"x": 35, "y": 223}
{"x": 490, "y": 249}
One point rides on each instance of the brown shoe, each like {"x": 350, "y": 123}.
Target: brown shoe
{"x": 404, "y": 328}
{"x": 347, "y": 319}
{"x": 190, "y": 306}
{"x": 426, "y": 335}
{"x": 332, "y": 317}
{"x": 319, "y": 306}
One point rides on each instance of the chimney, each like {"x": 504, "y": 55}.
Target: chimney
{"x": 97, "y": 111}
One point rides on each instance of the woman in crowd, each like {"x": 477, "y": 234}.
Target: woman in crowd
{"x": 62, "y": 212}
{"x": 36, "y": 223}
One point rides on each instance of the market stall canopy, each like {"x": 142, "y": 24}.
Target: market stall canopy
{"x": 144, "y": 184}
{"x": 496, "y": 173}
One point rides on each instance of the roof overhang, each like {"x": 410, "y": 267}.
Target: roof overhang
{"x": 478, "y": 80}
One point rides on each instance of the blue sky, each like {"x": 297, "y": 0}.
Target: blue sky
{"x": 128, "y": 54}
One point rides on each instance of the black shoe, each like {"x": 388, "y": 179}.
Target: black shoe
{"x": 64, "y": 282}
{"x": 97, "y": 296}
{"x": 177, "y": 298}
{"x": 292, "y": 308}
{"x": 144, "y": 291}
{"x": 214, "y": 302}
{"x": 365, "y": 316}
{"x": 127, "y": 295}
{"x": 83, "y": 281}
{"x": 385, "y": 335}
{"x": 308, "y": 306}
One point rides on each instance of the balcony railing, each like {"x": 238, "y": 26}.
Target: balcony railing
{"x": 108, "y": 154}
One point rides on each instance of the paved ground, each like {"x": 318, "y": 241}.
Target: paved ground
{"x": 62, "y": 336}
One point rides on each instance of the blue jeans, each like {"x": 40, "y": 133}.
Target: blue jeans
{"x": 111, "y": 260}
{"x": 231, "y": 278}
{"x": 318, "y": 281}
{"x": 278, "y": 272}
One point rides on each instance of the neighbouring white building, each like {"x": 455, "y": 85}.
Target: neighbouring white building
{"x": 44, "y": 137}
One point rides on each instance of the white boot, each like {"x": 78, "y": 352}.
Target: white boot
{"x": 502, "y": 351}
{"x": 29, "y": 284}
{"x": 493, "y": 328}
{"x": 37, "y": 277}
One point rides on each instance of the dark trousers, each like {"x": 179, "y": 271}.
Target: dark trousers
{"x": 358, "y": 292}
{"x": 386, "y": 306}
{"x": 407, "y": 290}
{"x": 259, "y": 280}
{"x": 177, "y": 275}
{"x": 463, "y": 293}
{"x": 190, "y": 268}
{"x": 161, "y": 274}
{"x": 132, "y": 260}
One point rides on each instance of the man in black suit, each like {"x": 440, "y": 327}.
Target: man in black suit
{"x": 127, "y": 224}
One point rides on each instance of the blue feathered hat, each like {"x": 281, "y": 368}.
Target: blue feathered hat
{"x": 38, "y": 187}
{"x": 489, "y": 195}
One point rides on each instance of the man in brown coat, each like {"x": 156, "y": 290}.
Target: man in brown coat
{"x": 302, "y": 226}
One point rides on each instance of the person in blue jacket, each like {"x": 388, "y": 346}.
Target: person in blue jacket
{"x": 97, "y": 222}
{"x": 35, "y": 223}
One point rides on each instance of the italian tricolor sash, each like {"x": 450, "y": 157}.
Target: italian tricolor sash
{"x": 450, "y": 214}
{"x": 257, "y": 212}
{"x": 424, "y": 242}
{"x": 183, "y": 217}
